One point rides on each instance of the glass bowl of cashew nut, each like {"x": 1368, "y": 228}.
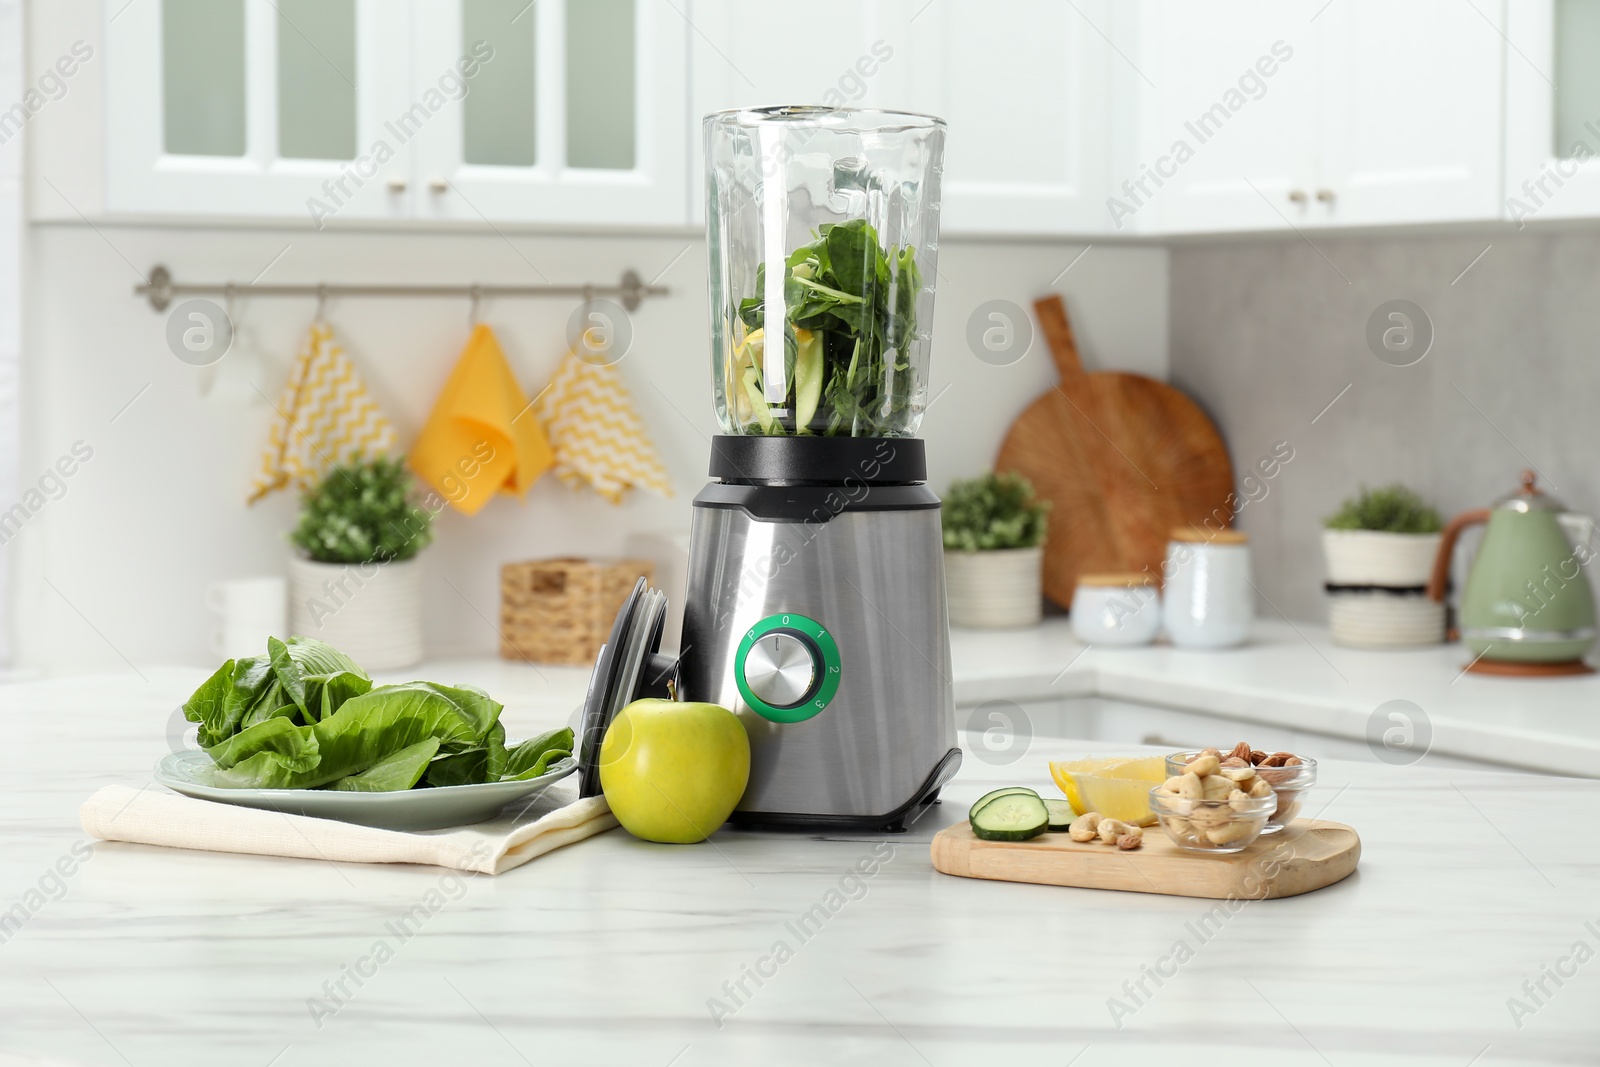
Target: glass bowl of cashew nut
{"x": 1289, "y": 776}
{"x": 1204, "y": 810}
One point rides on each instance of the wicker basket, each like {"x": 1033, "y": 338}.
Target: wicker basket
{"x": 561, "y": 610}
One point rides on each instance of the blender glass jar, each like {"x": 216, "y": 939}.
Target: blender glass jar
{"x": 823, "y": 232}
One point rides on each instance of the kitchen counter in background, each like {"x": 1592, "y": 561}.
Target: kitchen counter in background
{"x": 618, "y": 951}
{"x": 1290, "y": 688}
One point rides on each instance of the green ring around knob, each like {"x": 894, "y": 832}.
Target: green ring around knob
{"x": 829, "y": 667}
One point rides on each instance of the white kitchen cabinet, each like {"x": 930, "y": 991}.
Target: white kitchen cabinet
{"x": 1023, "y": 88}
{"x": 198, "y": 120}
{"x": 578, "y": 117}
{"x": 1265, "y": 114}
{"x": 554, "y": 111}
{"x": 1411, "y": 112}
{"x": 1224, "y": 121}
{"x": 1552, "y": 116}
{"x": 843, "y": 53}
{"x": 1026, "y": 89}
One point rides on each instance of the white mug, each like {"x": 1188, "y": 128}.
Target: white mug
{"x": 246, "y": 612}
{"x": 1208, "y": 601}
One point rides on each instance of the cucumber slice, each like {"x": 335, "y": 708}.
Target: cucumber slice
{"x": 992, "y": 794}
{"x": 1011, "y": 817}
{"x": 1061, "y": 814}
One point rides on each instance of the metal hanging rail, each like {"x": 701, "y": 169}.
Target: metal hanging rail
{"x": 160, "y": 290}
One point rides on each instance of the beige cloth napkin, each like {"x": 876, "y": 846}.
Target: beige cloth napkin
{"x": 558, "y": 817}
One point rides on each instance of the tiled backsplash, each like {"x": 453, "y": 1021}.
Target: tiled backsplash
{"x": 1267, "y": 334}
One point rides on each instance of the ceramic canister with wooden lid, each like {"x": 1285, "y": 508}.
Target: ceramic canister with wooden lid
{"x": 1116, "y": 609}
{"x": 1207, "y": 597}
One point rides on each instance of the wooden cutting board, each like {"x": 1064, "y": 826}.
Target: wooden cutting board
{"x": 1121, "y": 457}
{"x": 1305, "y": 855}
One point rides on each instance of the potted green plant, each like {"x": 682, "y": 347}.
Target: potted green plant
{"x": 354, "y": 577}
{"x": 994, "y": 531}
{"x": 1380, "y": 546}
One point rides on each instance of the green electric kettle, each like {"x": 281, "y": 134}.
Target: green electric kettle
{"x": 1527, "y": 607}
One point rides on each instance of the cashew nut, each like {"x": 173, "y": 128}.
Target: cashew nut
{"x": 1204, "y": 764}
{"x": 1184, "y": 786}
{"x": 1260, "y": 788}
{"x": 1230, "y": 832}
{"x": 1111, "y": 829}
{"x": 1085, "y": 826}
{"x": 1208, "y": 815}
{"x": 1216, "y": 787}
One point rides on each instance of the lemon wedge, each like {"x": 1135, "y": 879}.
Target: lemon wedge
{"x": 1117, "y": 787}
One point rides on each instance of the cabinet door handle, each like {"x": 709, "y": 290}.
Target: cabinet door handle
{"x": 397, "y": 185}
{"x": 1297, "y": 196}
{"x": 1325, "y": 196}
{"x": 438, "y": 185}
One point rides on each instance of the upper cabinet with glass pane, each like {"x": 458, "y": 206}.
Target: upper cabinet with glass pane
{"x": 576, "y": 116}
{"x": 1552, "y": 132}
{"x": 256, "y": 107}
{"x": 552, "y": 111}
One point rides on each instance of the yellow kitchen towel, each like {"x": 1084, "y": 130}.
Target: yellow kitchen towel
{"x": 325, "y": 418}
{"x": 483, "y": 436}
{"x": 598, "y": 436}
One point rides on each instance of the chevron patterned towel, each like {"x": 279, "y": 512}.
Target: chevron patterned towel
{"x": 596, "y": 432}
{"x": 325, "y": 417}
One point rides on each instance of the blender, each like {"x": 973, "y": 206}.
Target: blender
{"x": 815, "y": 601}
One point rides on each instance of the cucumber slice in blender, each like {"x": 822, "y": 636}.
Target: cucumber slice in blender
{"x": 1011, "y": 817}
{"x": 1061, "y": 814}
{"x": 993, "y": 793}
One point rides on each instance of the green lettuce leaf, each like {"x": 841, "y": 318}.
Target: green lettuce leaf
{"x": 471, "y": 766}
{"x": 393, "y": 774}
{"x": 366, "y": 730}
{"x": 334, "y": 689}
{"x": 208, "y": 705}
{"x": 273, "y": 748}
{"x": 301, "y": 679}
{"x": 534, "y": 756}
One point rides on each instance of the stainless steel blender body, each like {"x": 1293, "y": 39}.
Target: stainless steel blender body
{"x": 817, "y": 613}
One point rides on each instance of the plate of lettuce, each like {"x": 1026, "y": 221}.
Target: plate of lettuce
{"x": 302, "y": 729}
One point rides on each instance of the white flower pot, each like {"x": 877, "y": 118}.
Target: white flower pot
{"x": 998, "y": 589}
{"x": 1395, "y": 614}
{"x": 372, "y": 612}
{"x": 1375, "y": 557}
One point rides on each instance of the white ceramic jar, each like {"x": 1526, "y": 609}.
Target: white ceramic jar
{"x": 1116, "y": 609}
{"x": 1208, "y": 601}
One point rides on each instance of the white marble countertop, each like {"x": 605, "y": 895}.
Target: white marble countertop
{"x": 616, "y": 951}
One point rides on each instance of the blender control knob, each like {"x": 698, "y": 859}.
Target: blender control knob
{"x": 781, "y": 669}
{"x": 787, "y": 667}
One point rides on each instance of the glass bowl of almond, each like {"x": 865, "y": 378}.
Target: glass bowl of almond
{"x": 1289, "y": 776}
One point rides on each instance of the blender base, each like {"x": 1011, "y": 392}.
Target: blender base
{"x": 898, "y": 821}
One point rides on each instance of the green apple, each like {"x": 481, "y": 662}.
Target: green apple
{"x": 673, "y": 772}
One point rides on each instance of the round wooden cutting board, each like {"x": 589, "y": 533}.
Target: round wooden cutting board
{"x": 1122, "y": 459}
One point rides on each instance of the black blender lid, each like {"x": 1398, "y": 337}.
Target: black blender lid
{"x": 628, "y": 667}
